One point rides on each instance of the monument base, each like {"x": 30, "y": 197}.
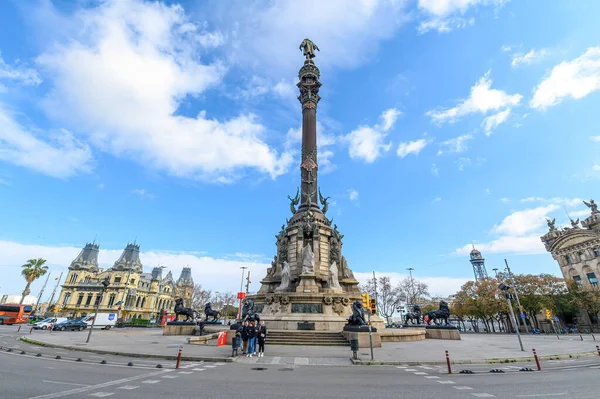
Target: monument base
{"x": 364, "y": 341}
{"x": 212, "y": 322}
{"x": 442, "y": 332}
{"x": 307, "y": 284}
{"x": 402, "y": 334}
{"x": 180, "y": 329}
{"x": 359, "y": 329}
{"x": 414, "y": 325}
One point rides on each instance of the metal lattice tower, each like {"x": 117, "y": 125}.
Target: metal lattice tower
{"x": 478, "y": 265}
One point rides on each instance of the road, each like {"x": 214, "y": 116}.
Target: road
{"x": 45, "y": 377}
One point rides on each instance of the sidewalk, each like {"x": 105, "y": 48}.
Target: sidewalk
{"x": 473, "y": 348}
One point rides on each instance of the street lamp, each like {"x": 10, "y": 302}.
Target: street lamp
{"x": 412, "y": 287}
{"x": 105, "y": 285}
{"x": 240, "y": 293}
{"x": 504, "y": 288}
{"x": 495, "y": 271}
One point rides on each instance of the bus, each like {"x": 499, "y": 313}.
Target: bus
{"x": 14, "y": 313}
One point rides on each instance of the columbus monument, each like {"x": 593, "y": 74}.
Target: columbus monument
{"x": 309, "y": 284}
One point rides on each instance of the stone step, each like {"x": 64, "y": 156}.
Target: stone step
{"x": 306, "y": 343}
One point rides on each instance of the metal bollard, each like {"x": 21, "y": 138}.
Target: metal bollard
{"x": 581, "y": 336}
{"x": 30, "y": 330}
{"x": 598, "y": 349}
{"x": 593, "y": 336}
{"x": 448, "y": 363}
{"x": 354, "y": 348}
{"x": 537, "y": 361}
{"x": 178, "y": 358}
{"x": 19, "y": 329}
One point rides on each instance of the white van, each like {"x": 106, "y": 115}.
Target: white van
{"x": 104, "y": 321}
{"x": 48, "y": 323}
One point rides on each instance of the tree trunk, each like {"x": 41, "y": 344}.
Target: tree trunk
{"x": 26, "y": 292}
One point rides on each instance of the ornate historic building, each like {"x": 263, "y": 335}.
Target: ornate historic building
{"x": 577, "y": 249}
{"x": 139, "y": 295}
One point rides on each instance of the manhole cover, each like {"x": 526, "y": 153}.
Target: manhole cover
{"x": 286, "y": 369}
{"x": 259, "y": 368}
{"x": 154, "y": 342}
{"x": 365, "y": 354}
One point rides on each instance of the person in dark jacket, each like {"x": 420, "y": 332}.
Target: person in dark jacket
{"x": 238, "y": 335}
{"x": 262, "y": 335}
{"x": 244, "y": 334}
{"x": 252, "y": 330}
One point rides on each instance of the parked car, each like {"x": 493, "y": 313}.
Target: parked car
{"x": 71, "y": 325}
{"x": 104, "y": 320}
{"x": 48, "y": 323}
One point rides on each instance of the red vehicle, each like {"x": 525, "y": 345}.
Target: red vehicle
{"x": 14, "y": 313}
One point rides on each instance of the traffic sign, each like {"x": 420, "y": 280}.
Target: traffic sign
{"x": 522, "y": 315}
{"x": 556, "y": 319}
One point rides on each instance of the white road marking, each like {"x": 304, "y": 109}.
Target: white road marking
{"x": 432, "y": 376}
{"x": 220, "y": 364}
{"x": 426, "y": 367}
{"x": 198, "y": 369}
{"x": 410, "y": 370}
{"x": 483, "y": 395}
{"x": 301, "y": 360}
{"x": 169, "y": 376}
{"x": 150, "y": 381}
{"x": 65, "y": 383}
{"x": 400, "y": 367}
{"x": 536, "y": 395}
{"x": 210, "y": 367}
{"x": 276, "y": 360}
{"x": 97, "y": 386}
{"x": 462, "y": 388}
{"x": 101, "y": 394}
{"x": 185, "y": 372}
{"x": 420, "y": 373}
{"x": 129, "y": 387}
{"x": 446, "y": 382}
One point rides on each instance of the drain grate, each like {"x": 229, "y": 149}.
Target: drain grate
{"x": 259, "y": 368}
{"x": 286, "y": 369}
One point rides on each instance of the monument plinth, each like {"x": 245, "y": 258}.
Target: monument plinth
{"x": 309, "y": 279}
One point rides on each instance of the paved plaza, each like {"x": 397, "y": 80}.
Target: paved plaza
{"x": 473, "y": 348}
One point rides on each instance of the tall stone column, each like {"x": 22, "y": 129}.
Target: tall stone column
{"x": 309, "y": 98}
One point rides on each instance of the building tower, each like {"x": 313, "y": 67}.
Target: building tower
{"x": 185, "y": 286}
{"x": 478, "y": 265}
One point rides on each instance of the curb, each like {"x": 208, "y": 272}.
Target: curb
{"x": 361, "y": 362}
{"x": 142, "y": 355}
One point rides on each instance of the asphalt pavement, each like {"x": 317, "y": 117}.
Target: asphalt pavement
{"x": 25, "y": 376}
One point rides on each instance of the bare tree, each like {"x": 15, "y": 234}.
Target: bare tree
{"x": 388, "y": 297}
{"x": 200, "y": 297}
{"x": 413, "y": 290}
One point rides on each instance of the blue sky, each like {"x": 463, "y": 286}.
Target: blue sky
{"x": 442, "y": 124}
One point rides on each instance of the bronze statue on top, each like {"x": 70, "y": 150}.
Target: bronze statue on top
{"x": 189, "y": 313}
{"x": 593, "y": 206}
{"x": 308, "y": 48}
{"x": 414, "y": 316}
{"x": 357, "y": 318}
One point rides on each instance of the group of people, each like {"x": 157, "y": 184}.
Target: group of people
{"x": 250, "y": 334}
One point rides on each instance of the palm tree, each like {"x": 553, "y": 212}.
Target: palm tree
{"x": 32, "y": 270}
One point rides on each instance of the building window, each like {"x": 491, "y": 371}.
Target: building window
{"x": 117, "y": 280}
{"x": 596, "y": 252}
{"x": 132, "y": 281}
{"x": 567, "y": 259}
{"x": 592, "y": 279}
{"x": 98, "y": 299}
{"x": 111, "y": 300}
{"x": 79, "y": 299}
{"x": 67, "y": 298}
{"x": 137, "y": 303}
{"x": 73, "y": 278}
{"x": 88, "y": 300}
{"x": 577, "y": 279}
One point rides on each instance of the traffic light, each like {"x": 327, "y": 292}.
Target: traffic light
{"x": 548, "y": 314}
{"x": 365, "y": 300}
{"x": 373, "y": 306}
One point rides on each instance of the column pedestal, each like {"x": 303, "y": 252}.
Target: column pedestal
{"x": 307, "y": 284}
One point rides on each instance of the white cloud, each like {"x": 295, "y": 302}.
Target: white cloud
{"x": 445, "y": 15}
{"x": 368, "y": 142}
{"x": 505, "y": 200}
{"x": 488, "y": 191}
{"x": 570, "y": 202}
{"x": 352, "y": 194}
{"x": 436, "y": 199}
{"x": 411, "y": 147}
{"x": 213, "y": 273}
{"x": 528, "y": 58}
{"x": 596, "y": 167}
{"x": 123, "y": 78}
{"x": 434, "y": 169}
{"x": 506, "y": 48}
{"x": 19, "y": 73}
{"x": 595, "y": 138}
{"x": 389, "y": 117}
{"x": 55, "y": 153}
{"x": 482, "y": 99}
{"x": 143, "y": 193}
{"x": 521, "y": 223}
{"x": 525, "y": 245}
{"x": 491, "y": 122}
{"x": 455, "y": 145}
{"x": 266, "y": 35}
{"x": 438, "y": 285}
{"x": 466, "y": 161}
{"x": 576, "y": 79}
